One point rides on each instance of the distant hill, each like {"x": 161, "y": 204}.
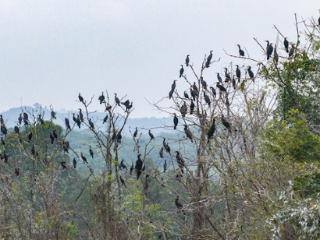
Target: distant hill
{"x": 11, "y": 118}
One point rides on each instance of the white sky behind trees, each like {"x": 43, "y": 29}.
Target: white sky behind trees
{"x": 50, "y": 50}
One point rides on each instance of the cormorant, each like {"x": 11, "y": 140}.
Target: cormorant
{"x": 4, "y": 130}
{"x": 81, "y": 115}
{"x": 188, "y": 133}
{"x": 25, "y": 118}
{"x": 221, "y": 87}
{"x": 214, "y": 93}
{"x": 175, "y": 121}
{"x": 80, "y": 98}
{"x": 108, "y": 107}
{"x": 269, "y": 49}
{"x": 65, "y": 146}
{"x": 53, "y": 115}
{"x": 91, "y": 124}
{"x": 238, "y": 73}
{"x": 203, "y": 83}
{"x": 184, "y": 109}
{"x": 234, "y": 83}
{"x": 185, "y": 94}
{"x": 286, "y": 44}
{"x": 241, "y": 52}
{"x": 211, "y": 130}
{"x": 20, "y": 119}
{"x": 74, "y": 163}
{"x": 275, "y": 55}
{"x": 139, "y": 165}
{"x": 291, "y": 52}
{"x": 251, "y": 74}
{"x": 192, "y": 106}
{"x": 40, "y": 119}
{"x": 116, "y": 99}
{"x": 101, "y": 98}
{"x": 180, "y": 161}
{"x": 150, "y": 135}
{"x": 135, "y": 133}
{"x": 187, "y": 60}
{"x": 208, "y": 62}
{"x": 173, "y": 87}
{"x": 166, "y": 146}
{"x": 131, "y": 168}
{"x": 219, "y": 77}
{"x": 227, "y": 75}
{"x": 54, "y": 133}
{"x": 207, "y": 99}
{"x": 66, "y": 120}
{"x": 76, "y": 120}
{"x": 181, "y": 71}
{"x": 122, "y": 165}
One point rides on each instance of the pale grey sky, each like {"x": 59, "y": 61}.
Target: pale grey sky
{"x": 52, "y": 49}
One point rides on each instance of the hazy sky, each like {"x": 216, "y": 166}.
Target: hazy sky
{"x": 52, "y": 49}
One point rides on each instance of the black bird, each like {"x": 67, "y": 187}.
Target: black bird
{"x": 203, "y": 83}
{"x": 127, "y": 104}
{"x": 81, "y": 115}
{"x": 25, "y": 118}
{"x": 51, "y": 138}
{"x": 91, "y": 152}
{"x": 165, "y": 166}
{"x": 53, "y": 115}
{"x": 251, "y": 74}
{"x": 221, "y": 87}
{"x": 131, "y": 168}
{"x": 188, "y": 133}
{"x": 185, "y": 94}
{"x": 225, "y": 123}
{"x": 234, "y": 83}
{"x": 209, "y": 58}
{"x": 219, "y": 77}
{"x": 108, "y": 107}
{"x": 192, "y": 106}
{"x": 76, "y": 120}
{"x": 135, "y": 133}
{"x": 227, "y": 75}
{"x": 184, "y": 109}
{"x": 105, "y": 119}
{"x": 63, "y": 165}
{"x": 91, "y": 124}
{"x": 241, "y": 52}
{"x": 180, "y": 161}
{"x": 187, "y": 60}
{"x": 122, "y": 181}
{"x": 207, "y": 99}
{"x": 80, "y": 98}
{"x": 211, "y": 130}
{"x": 74, "y": 162}
{"x": 4, "y": 130}
{"x": 151, "y": 135}
{"x": 122, "y": 165}
{"x": 16, "y": 129}
{"x": 17, "y": 171}
{"x": 166, "y": 146}
{"x": 30, "y": 137}
{"x": 286, "y": 44}
{"x": 181, "y": 71}
{"x": 269, "y": 49}
{"x": 40, "y": 119}
{"x": 20, "y": 119}
{"x": 291, "y": 52}
{"x": 238, "y": 73}
{"x": 68, "y": 127}
{"x": 214, "y": 93}
{"x": 116, "y": 99}
{"x": 54, "y": 133}
{"x": 161, "y": 152}
{"x": 101, "y": 98}
{"x": 175, "y": 121}
{"x": 139, "y": 165}
{"x": 84, "y": 159}
{"x": 173, "y": 87}
{"x": 178, "y": 204}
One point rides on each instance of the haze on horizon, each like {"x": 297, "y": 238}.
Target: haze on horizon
{"x": 53, "y": 49}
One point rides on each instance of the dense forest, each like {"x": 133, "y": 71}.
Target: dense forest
{"x": 240, "y": 159}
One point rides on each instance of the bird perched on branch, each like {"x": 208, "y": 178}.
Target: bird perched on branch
{"x": 238, "y": 73}
{"x": 203, "y": 83}
{"x": 80, "y": 98}
{"x": 187, "y": 60}
{"x": 63, "y": 165}
{"x": 241, "y": 52}
{"x": 250, "y": 73}
{"x": 181, "y": 71}
{"x": 207, "y": 99}
{"x": 150, "y": 135}
{"x": 211, "y": 130}
{"x": 84, "y": 159}
{"x": 116, "y": 99}
{"x": 192, "y": 106}
{"x": 91, "y": 152}
{"x": 139, "y": 166}
{"x": 53, "y": 115}
{"x": 166, "y": 146}
{"x": 135, "y": 134}
{"x": 184, "y": 109}
{"x": 208, "y": 61}
{"x": 122, "y": 165}
{"x": 219, "y": 77}
{"x": 221, "y": 87}
{"x": 91, "y": 124}
{"x": 101, "y": 98}
{"x": 269, "y": 49}
{"x": 286, "y": 44}
{"x": 81, "y": 115}
{"x": 173, "y": 87}
{"x": 74, "y": 163}
{"x": 175, "y": 121}
{"x": 67, "y": 123}
{"x": 275, "y": 55}
{"x": 180, "y": 161}
{"x": 16, "y": 129}
{"x": 188, "y": 132}
{"x": 105, "y": 119}
{"x": 214, "y": 93}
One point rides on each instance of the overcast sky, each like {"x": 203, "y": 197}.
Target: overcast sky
{"x": 52, "y": 49}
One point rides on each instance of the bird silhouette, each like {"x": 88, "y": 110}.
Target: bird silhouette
{"x": 211, "y": 130}
{"x": 192, "y": 106}
{"x": 203, "y": 83}
{"x": 188, "y": 133}
{"x": 53, "y": 115}
{"x": 91, "y": 124}
{"x": 180, "y": 161}
{"x": 241, "y": 52}
{"x": 76, "y": 120}
{"x": 91, "y": 152}
{"x": 175, "y": 121}
{"x": 135, "y": 132}
{"x": 214, "y": 93}
{"x": 116, "y": 99}
{"x": 238, "y": 73}
{"x": 84, "y": 159}
{"x": 184, "y": 109}
{"x": 181, "y": 71}
{"x": 74, "y": 163}
{"x": 185, "y": 94}
{"x": 227, "y": 75}
{"x": 51, "y": 138}
{"x": 286, "y": 44}
{"x": 131, "y": 168}
{"x": 173, "y": 87}
{"x": 269, "y": 49}
{"x": 208, "y": 61}
{"x": 250, "y": 73}
{"x": 65, "y": 146}
{"x": 219, "y": 78}
{"x": 207, "y": 99}
{"x": 63, "y": 165}
{"x": 187, "y": 60}
{"x": 221, "y": 87}
{"x": 4, "y": 129}
{"x": 54, "y": 133}
{"x": 67, "y": 123}
{"x": 20, "y": 119}
{"x": 291, "y": 51}
{"x": 101, "y": 98}
{"x": 80, "y": 98}
{"x": 166, "y": 146}
{"x": 16, "y": 129}
{"x": 25, "y": 118}
{"x": 81, "y": 115}
{"x": 275, "y": 55}
{"x": 138, "y": 166}
{"x": 122, "y": 165}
